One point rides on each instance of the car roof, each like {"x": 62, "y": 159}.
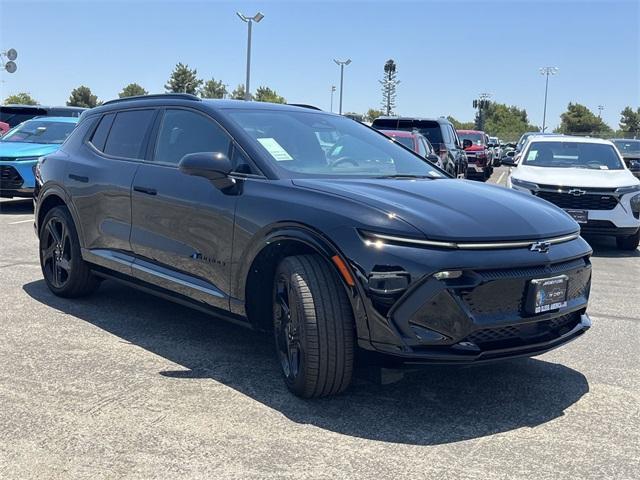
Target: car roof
{"x": 470, "y": 131}
{"x": 44, "y": 118}
{"x": 415, "y": 119}
{"x": 568, "y": 139}
{"x": 400, "y": 133}
{"x": 42, "y": 107}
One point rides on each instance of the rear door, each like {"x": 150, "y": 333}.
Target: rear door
{"x": 182, "y": 225}
{"x": 99, "y": 181}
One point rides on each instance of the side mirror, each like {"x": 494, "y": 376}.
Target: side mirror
{"x": 466, "y": 143}
{"x": 433, "y": 158}
{"x": 491, "y": 145}
{"x": 508, "y": 161}
{"x": 634, "y": 165}
{"x": 214, "y": 166}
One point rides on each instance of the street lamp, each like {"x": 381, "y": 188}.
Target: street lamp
{"x": 249, "y": 20}
{"x": 600, "y": 108}
{"x": 546, "y": 71}
{"x": 341, "y": 64}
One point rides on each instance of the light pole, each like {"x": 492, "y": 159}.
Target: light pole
{"x": 249, "y": 20}
{"x": 341, "y": 64}
{"x": 600, "y": 108}
{"x": 546, "y": 71}
{"x": 481, "y": 104}
{"x": 333, "y": 89}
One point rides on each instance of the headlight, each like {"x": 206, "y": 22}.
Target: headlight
{"x": 521, "y": 183}
{"x": 629, "y": 189}
{"x": 635, "y": 203}
{"x": 27, "y": 159}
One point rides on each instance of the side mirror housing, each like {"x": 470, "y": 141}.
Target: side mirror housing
{"x": 433, "y": 158}
{"x": 508, "y": 162}
{"x": 466, "y": 143}
{"x": 634, "y": 165}
{"x": 214, "y": 166}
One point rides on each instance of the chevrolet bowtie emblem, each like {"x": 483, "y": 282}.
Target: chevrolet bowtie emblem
{"x": 576, "y": 192}
{"x": 542, "y": 247}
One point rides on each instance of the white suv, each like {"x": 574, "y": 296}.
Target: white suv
{"x": 587, "y": 178}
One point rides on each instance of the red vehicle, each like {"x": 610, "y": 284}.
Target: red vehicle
{"x": 479, "y": 155}
{"x": 416, "y": 142}
{"x": 4, "y": 128}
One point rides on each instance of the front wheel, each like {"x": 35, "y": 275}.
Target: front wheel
{"x": 629, "y": 243}
{"x": 313, "y": 327}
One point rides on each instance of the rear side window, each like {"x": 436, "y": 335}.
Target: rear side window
{"x": 183, "y": 132}
{"x": 429, "y": 128}
{"x": 99, "y": 137}
{"x": 127, "y": 135}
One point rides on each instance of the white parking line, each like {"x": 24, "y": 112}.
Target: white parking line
{"x": 21, "y": 221}
{"x": 500, "y": 178}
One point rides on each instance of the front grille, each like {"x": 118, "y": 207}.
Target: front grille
{"x": 504, "y": 292}
{"x": 10, "y": 179}
{"x": 589, "y": 201}
{"x": 555, "y": 327}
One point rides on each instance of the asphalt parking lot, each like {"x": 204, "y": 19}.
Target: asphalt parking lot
{"x": 125, "y": 385}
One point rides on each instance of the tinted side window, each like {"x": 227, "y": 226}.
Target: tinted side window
{"x": 99, "y": 137}
{"x": 183, "y": 132}
{"x": 127, "y": 136}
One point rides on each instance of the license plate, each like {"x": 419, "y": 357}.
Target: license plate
{"x": 546, "y": 294}
{"x": 580, "y": 216}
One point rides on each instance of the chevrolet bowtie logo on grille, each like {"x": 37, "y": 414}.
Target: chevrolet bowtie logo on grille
{"x": 576, "y": 192}
{"x": 542, "y": 247}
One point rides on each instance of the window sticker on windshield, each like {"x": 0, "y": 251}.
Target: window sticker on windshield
{"x": 275, "y": 149}
{"x": 532, "y": 155}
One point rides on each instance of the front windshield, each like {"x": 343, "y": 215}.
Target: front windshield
{"x": 406, "y": 141}
{"x": 595, "y": 156}
{"x": 39, "y": 131}
{"x": 628, "y": 146}
{"x": 475, "y": 138}
{"x": 317, "y": 144}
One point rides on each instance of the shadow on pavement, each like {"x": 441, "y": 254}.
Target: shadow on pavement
{"x": 606, "y": 247}
{"x": 16, "y": 207}
{"x": 433, "y": 406}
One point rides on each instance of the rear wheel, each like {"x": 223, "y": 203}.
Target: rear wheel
{"x": 65, "y": 273}
{"x": 629, "y": 243}
{"x": 313, "y": 327}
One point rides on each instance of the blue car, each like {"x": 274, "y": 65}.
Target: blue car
{"x": 21, "y": 147}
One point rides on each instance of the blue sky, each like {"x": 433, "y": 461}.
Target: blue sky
{"x": 446, "y": 51}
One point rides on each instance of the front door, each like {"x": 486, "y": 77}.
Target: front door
{"x": 182, "y": 225}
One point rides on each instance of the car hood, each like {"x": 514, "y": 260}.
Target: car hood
{"x": 450, "y": 209}
{"x": 19, "y": 149}
{"x": 574, "y": 177}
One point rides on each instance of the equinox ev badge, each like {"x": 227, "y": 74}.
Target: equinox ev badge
{"x": 576, "y": 192}
{"x": 542, "y": 247}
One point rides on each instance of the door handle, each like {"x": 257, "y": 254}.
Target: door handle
{"x": 79, "y": 178}
{"x": 147, "y": 190}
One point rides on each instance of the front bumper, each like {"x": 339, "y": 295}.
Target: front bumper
{"x": 17, "y": 179}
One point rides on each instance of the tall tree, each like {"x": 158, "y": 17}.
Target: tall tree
{"x": 461, "y": 125}
{"x": 132, "y": 90}
{"x": 578, "y": 119}
{"x": 265, "y": 94}
{"x": 630, "y": 121}
{"x": 213, "y": 89}
{"x": 238, "y": 92}
{"x": 82, "y": 97}
{"x": 183, "y": 80}
{"x": 506, "y": 121}
{"x": 389, "y": 83}
{"x": 372, "y": 114}
{"x": 22, "y": 98}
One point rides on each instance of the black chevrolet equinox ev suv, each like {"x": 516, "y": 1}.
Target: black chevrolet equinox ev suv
{"x": 345, "y": 244}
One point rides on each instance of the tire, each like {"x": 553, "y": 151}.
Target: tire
{"x": 313, "y": 327}
{"x": 629, "y": 243}
{"x": 65, "y": 272}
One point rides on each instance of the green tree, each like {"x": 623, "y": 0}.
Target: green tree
{"x": 238, "y": 92}
{"x": 265, "y": 94}
{"x": 132, "y": 90}
{"x": 22, "y": 98}
{"x": 372, "y": 114}
{"x": 630, "y": 121}
{"x": 213, "y": 89}
{"x": 507, "y": 122}
{"x": 82, "y": 97}
{"x": 461, "y": 125}
{"x": 578, "y": 119}
{"x": 183, "y": 80}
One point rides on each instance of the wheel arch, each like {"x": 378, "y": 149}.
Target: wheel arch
{"x": 258, "y": 269}
{"x": 52, "y": 197}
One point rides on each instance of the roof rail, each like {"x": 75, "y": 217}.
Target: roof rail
{"x": 304, "y": 105}
{"x": 184, "y": 96}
